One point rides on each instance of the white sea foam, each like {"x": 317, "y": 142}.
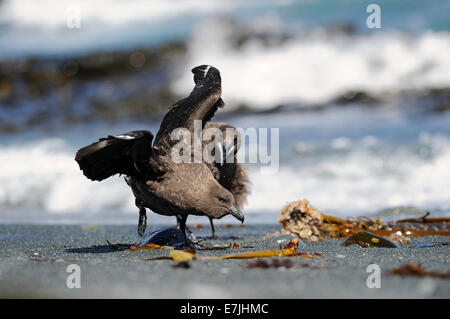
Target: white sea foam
{"x": 45, "y": 176}
{"x": 53, "y": 14}
{"x": 103, "y": 24}
{"x": 363, "y": 177}
{"x": 318, "y": 67}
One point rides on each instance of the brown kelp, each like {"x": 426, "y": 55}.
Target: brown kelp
{"x": 414, "y": 269}
{"x": 305, "y": 221}
{"x": 369, "y": 240}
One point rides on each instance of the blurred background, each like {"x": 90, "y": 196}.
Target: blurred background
{"x": 364, "y": 114}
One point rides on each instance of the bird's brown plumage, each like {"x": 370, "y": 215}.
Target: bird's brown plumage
{"x": 159, "y": 183}
{"x": 231, "y": 175}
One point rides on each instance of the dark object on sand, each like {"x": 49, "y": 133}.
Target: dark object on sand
{"x": 369, "y": 240}
{"x": 167, "y": 237}
{"x": 434, "y": 244}
{"x": 158, "y": 182}
{"x": 276, "y": 263}
{"x": 279, "y": 263}
{"x": 182, "y": 264}
{"x": 414, "y": 269}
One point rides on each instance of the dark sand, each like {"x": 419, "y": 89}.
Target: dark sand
{"x": 34, "y": 259}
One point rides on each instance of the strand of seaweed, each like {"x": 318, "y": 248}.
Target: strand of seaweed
{"x": 305, "y": 221}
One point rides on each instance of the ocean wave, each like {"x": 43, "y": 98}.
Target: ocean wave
{"x": 318, "y": 67}
{"x": 341, "y": 176}
{"x": 43, "y": 175}
{"x": 351, "y": 178}
{"x": 53, "y": 14}
{"x": 27, "y": 23}
{"x": 265, "y": 66}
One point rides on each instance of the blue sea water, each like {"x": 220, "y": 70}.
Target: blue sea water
{"x": 346, "y": 160}
{"x": 40, "y": 27}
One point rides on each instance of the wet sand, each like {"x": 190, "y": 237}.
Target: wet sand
{"x": 34, "y": 260}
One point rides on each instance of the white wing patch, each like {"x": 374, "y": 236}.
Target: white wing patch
{"x": 125, "y": 137}
{"x": 205, "y": 71}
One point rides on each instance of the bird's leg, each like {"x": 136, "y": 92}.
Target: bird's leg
{"x": 142, "y": 217}
{"x": 181, "y": 222}
{"x": 178, "y": 225}
{"x": 213, "y": 232}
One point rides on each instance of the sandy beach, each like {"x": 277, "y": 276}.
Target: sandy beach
{"x": 343, "y": 112}
{"x": 34, "y": 260}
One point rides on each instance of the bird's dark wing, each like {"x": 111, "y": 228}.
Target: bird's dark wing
{"x": 201, "y": 104}
{"x": 126, "y": 154}
{"x": 229, "y": 173}
{"x": 229, "y": 144}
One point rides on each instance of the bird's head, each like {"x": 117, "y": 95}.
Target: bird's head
{"x": 206, "y": 74}
{"x": 222, "y": 203}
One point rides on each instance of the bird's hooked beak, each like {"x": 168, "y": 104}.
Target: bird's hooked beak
{"x": 237, "y": 213}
